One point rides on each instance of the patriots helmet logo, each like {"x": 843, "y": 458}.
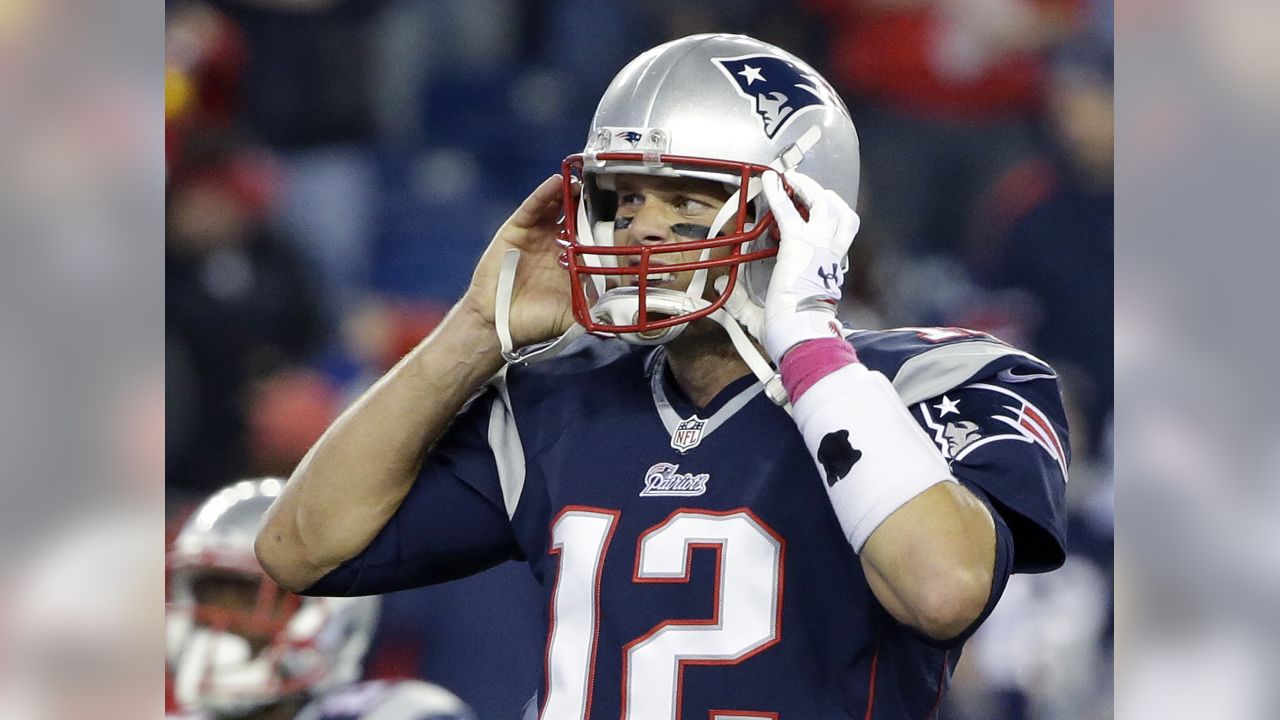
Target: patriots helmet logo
{"x": 779, "y": 89}
{"x": 630, "y": 136}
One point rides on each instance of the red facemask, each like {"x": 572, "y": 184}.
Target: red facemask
{"x": 590, "y": 263}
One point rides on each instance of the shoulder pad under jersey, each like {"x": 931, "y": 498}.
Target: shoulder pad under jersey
{"x": 925, "y": 362}
{"x": 387, "y": 700}
{"x": 584, "y": 355}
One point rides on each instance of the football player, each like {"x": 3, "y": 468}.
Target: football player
{"x": 738, "y": 507}
{"x": 240, "y": 647}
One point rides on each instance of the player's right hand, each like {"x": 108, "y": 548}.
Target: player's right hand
{"x": 541, "y": 308}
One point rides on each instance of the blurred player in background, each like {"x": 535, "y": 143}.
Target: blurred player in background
{"x": 737, "y": 506}
{"x": 240, "y": 647}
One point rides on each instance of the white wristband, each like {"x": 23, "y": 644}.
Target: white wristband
{"x": 871, "y": 454}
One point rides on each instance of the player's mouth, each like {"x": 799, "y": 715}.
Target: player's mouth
{"x": 654, "y": 279}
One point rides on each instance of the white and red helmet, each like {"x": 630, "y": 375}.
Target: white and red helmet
{"x": 229, "y": 661}
{"x": 714, "y": 107}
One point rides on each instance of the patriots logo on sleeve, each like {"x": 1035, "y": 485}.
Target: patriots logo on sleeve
{"x": 988, "y": 414}
{"x": 779, "y": 89}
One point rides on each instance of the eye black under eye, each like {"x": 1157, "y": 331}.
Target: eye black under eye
{"x": 691, "y": 230}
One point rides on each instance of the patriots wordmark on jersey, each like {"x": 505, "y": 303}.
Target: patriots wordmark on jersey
{"x": 692, "y": 564}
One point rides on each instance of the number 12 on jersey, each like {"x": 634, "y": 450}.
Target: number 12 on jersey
{"x": 747, "y": 619}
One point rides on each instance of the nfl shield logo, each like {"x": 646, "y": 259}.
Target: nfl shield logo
{"x": 688, "y": 434}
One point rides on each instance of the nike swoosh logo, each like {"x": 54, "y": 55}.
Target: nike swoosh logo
{"x": 1008, "y": 375}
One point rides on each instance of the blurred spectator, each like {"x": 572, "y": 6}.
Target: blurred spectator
{"x": 204, "y": 63}
{"x": 943, "y": 92}
{"x": 307, "y": 75}
{"x": 1047, "y": 227}
{"x": 240, "y": 303}
{"x": 308, "y": 93}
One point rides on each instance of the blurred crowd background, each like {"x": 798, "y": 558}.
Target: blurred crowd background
{"x": 83, "y": 101}
{"x": 333, "y": 169}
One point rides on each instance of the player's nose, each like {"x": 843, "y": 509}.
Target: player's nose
{"x": 650, "y": 225}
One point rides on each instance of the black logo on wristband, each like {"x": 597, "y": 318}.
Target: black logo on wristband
{"x": 837, "y": 456}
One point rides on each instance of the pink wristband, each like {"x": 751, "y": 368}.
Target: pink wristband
{"x": 812, "y": 360}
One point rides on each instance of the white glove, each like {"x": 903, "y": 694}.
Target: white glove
{"x": 805, "y": 286}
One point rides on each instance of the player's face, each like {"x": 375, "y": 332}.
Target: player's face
{"x": 655, "y": 211}
{"x": 253, "y": 608}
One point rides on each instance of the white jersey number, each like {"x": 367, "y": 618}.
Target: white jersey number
{"x": 748, "y": 593}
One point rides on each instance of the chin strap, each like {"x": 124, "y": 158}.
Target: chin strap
{"x": 739, "y": 311}
{"x": 743, "y": 319}
{"x": 502, "y": 321}
{"x": 754, "y": 359}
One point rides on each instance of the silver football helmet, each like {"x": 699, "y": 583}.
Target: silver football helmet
{"x": 235, "y": 640}
{"x": 714, "y": 107}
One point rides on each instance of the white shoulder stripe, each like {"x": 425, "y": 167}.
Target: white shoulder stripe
{"x": 508, "y": 451}
{"x": 935, "y": 371}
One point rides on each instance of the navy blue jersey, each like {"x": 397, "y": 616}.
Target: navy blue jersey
{"x": 692, "y": 564}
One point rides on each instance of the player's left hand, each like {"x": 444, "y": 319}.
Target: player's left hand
{"x": 805, "y": 286}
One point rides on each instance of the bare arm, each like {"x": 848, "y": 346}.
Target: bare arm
{"x": 354, "y": 478}
{"x": 926, "y": 544}
{"x": 931, "y": 562}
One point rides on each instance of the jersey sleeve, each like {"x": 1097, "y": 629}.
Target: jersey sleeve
{"x": 1005, "y": 433}
{"x": 453, "y": 522}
